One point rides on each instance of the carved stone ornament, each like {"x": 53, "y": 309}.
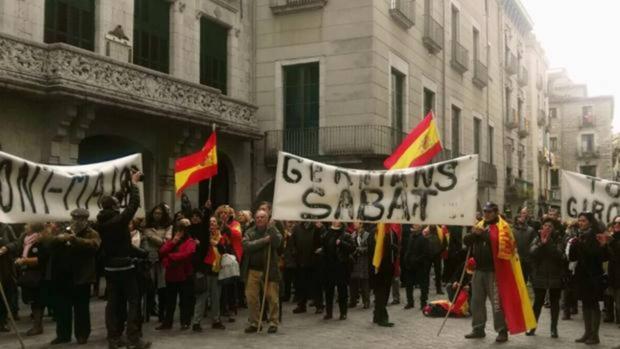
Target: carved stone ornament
{"x": 63, "y": 69}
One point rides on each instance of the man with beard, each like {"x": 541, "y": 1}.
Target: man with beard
{"x": 121, "y": 275}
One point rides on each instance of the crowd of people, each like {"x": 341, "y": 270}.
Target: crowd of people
{"x": 210, "y": 262}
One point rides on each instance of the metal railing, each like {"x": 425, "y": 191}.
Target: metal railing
{"x": 460, "y": 57}
{"x": 433, "y": 34}
{"x": 365, "y": 140}
{"x": 481, "y": 74}
{"x": 291, "y": 6}
{"x": 587, "y": 120}
{"x": 403, "y": 11}
{"x": 487, "y": 174}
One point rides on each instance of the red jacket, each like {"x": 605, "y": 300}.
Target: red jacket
{"x": 177, "y": 260}
{"x": 235, "y": 239}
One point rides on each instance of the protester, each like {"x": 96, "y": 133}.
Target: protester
{"x": 524, "y": 235}
{"x": 438, "y": 246}
{"x": 261, "y": 246}
{"x": 122, "y": 308}
{"x": 484, "y": 284}
{"x": 569, "y": 297}
{"x": 176, "y": 256}
{"x": 548, "y": 261}
{"x": 211, "y": 251}
{"x": 589, "y": 251}
{"x": 337, "y": 247}
{"x": 73, "y": 271}
{"x": 32, "y": 262}
{"x": 305, "y": 241}
{"x": 7, "y": 272}
{"x": 396, "y": 228}
{"x": 384, "y": 265}
{"x": 157, "y": 231}
{"x": 455, "y": 254}
{"x": 416, "y": 260}
{"x": 361, "y": 267}
{"x": 614, "y": 265}
{"x": 287, "y": 263}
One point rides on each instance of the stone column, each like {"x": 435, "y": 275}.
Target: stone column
{"x": 72, "y": 122}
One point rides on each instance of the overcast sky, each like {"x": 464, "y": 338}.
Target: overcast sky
{"x": 582, "y": 36}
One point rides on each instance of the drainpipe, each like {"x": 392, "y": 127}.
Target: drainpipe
{"x": 486, "y": 22}
{"x": 443, "y": 78}
{"x": 502, "y": 76}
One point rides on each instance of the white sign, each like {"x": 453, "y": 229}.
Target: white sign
{"x": 584, "y": 193}
{"x": 31, "y": 192}
{"x": 441, "y": 193}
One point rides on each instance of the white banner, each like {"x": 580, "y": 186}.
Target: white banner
{"x": 441, "y": 193}
{"x": 584, "y": 193}
{"x": 32, "y": 192}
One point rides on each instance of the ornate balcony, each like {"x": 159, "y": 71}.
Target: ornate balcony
{"x": 481, "y": 74}
{"x": 524, "y": 128}
{"x": 523, "y": 77}
{"x": 281, "y": 7}
{"x": 460, "y": 57}
{"x": 487, "y": 174}
{"x": 403, "y": 11}
{"x": 519, "y": 189}
{"x": 511, "y": 64}
{"x": 60, "y": 69}
{"x": 588, "y": 153}
{"x": 512, "y": 121}
{"x": 329, "y": 143}
{"x": 433, "y": 34}
{"x": 542, "y": 119}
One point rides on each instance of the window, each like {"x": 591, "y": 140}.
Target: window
{"x": 477, "y": 123}
{"x": 509, "y": 149}
{"x": 476, "y": 35}
{"x": 301, "y": 108}
{"x": 151, "y": 34}
{"x": 586, "y": 115}
{"x": 491, "y": 140}
{"x": 587, "y": 143}
{"x": 520, "y": 110}
{"x": 508, "y": 106}
{"x": 213, "y": 54}
{"x": 554, "y": 143}
{"x": 553, "y": 113}
{"x": 71, "y": 22}
{"x": 455, "y": 25}
{"x": 456, "y": 128}
{"x": 555, "y": 178}
{"x": 429, "y": 101}
{"x": 589, "y": 170}
{"x": 398, "y": 104}
{"x": 521, "y": 155}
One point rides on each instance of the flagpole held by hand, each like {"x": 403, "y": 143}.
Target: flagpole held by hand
{"x": 458, "y": 290}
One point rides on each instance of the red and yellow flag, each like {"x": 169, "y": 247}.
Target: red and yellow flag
{"x": 418, "y": 148}
{"x": 196, "y": 167}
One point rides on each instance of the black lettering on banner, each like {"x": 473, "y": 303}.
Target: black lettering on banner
{"x": 593, "y": 181}
{"x": 97, "y": 190}
{"x": 570, "y": 207}
{"x": 294, "y": 172}
{"x": 381, "y": 179}
{"x": 25, "y": 188}
{"x": 423, "y": 194}
{"x": 361, "y": 212}
{"x": 597, "y": 209}
{"x": 448, "y": 169}
{"x": 304, "y": 199}
{"x": 315, "y": 170}
{"x": 345, "y": 201}
{"x": 613, "y": 206}
{"x": 398, "y": 178}
{"x": 426, "y": 175}
{"x": 83, "y": 178}
{"x": 6, "y": 192}
{"x": 44, "y": 191}
{"x": 65, "y": 199}
{"x": 114, "y": 175}
{"x": 613, "y": 190}
{"x": 399, "y": 201}
{"x": 365, "y": 180}
{"x": 340, "y": 173}
{"x": 125, "y": 179}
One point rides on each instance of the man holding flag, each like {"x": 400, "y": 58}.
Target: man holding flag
{"x": 417, "y": 149}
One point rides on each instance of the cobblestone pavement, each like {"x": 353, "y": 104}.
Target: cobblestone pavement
{"x": 412, "y": 330}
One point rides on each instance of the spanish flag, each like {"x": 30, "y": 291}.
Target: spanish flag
{"x": 196, "y": 167}
{"x": 513, "y": 295}
{"x": 418, "y": 148}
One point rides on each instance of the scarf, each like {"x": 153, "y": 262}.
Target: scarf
{"x": 29, "y": 241}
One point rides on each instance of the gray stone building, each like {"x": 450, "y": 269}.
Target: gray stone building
{"x": 581, "y": 129}
{"x": 89, "y": 80}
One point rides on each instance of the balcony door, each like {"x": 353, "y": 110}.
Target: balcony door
{"x": 301, "y": 109}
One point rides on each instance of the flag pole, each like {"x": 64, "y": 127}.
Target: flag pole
{"x": 211, "y": 178}
{"x": 458, "y": 290}
{"x": 10, "y": 317}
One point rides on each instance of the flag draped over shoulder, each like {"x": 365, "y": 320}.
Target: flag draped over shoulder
{"x": 196, "y": 167}
{"x": 418, "y": 148}
{"x": 513, "y": 295}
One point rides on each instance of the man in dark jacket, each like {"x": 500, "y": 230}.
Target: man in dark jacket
{"x": 121, "y": 275}
{"x": 438, "y": 246}
{"x": 524, "y": 235}
{"x": 416, "y": 264}
{"x": 73, "y": 271}
{"x": 7, "y": 272}
{"x": 304, "y": 241}
{"x": 381, "y": 278}
{"x": 614, "y": 265}
{"x": 259, "y": 242}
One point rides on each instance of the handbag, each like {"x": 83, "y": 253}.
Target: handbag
{"x": 229, "y": 271}
{"x": 200, "y": 283}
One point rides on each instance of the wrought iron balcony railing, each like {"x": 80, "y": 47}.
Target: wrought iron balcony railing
{"x": 433, "y": 34}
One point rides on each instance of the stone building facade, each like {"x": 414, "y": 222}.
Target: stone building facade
{"x": 581, "y": 129}
{"x": 89, "y": 80}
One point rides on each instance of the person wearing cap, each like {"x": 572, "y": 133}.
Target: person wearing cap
{"x": 73, "y": 270}
{"x": 123, "y": 304}
{"x": 483, "y": 282}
